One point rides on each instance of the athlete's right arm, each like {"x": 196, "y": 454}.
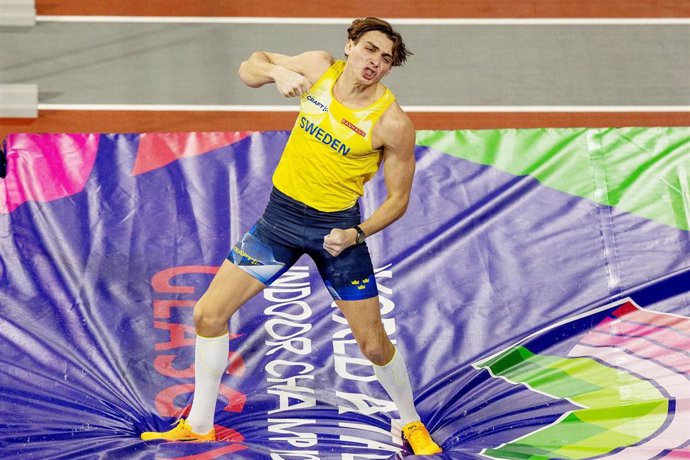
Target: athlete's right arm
{"x": 293, "y": 75}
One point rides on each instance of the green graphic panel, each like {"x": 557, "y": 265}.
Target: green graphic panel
{"x": 644, "y": 171}
{"x": 619, "y": 409}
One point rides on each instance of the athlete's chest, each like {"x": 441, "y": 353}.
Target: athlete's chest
{"x": 322, "y": 115}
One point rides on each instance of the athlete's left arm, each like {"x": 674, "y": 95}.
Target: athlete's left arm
{"x": 397, "y": 135}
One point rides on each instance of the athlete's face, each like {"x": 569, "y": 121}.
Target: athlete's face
{"x": 371, "y": 57}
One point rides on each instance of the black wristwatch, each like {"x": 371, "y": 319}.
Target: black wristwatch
{"x": 360, "y": 235}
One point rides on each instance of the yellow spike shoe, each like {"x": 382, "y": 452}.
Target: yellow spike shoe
{"x": 181, "y": 432}
{"x": 420, "y": 439}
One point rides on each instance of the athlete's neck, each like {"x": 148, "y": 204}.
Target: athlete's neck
{"x": 354, "y": 94}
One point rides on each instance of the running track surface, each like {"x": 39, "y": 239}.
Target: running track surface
{"x": 147, "y": 121}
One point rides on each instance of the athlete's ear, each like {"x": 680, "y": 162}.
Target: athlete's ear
{"x": 348, "y": 47}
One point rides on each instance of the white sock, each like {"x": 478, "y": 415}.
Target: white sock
{"x": 395, "y": 380}
{"x": 210, "y": 362}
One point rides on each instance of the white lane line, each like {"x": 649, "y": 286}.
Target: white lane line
{"x": 407, "y": 108}
{"x": 170, "y": 107}
{"x": 347, "y": 21}
{"x": 546, "y": 108}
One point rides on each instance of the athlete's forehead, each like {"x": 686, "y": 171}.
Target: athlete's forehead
{"x": 378, "y": 40}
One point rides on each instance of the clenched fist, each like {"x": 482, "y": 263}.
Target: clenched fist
{"x": 338, "y": 240}
{"x": 291, "y": 84}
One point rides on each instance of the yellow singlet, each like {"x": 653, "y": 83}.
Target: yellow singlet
{"x": 328, "y": 157}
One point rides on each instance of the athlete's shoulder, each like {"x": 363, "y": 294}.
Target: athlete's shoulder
{"x": 314, "y": 64}
{"x": 394, "y": 130}
{"x": 318, "y": 58}
{"x": 310, "y": 64}
{"x": 396, "y": 121}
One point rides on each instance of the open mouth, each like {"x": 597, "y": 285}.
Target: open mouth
{"x": 368, "y": 73}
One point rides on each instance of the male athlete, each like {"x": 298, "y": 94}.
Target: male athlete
{"x": 349, "y": 123}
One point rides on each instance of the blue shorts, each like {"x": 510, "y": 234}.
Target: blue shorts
{"x": 287, "y": 230}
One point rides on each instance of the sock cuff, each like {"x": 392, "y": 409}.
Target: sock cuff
{"x": 396, "y": 353}
{"x": 225, "y": 336}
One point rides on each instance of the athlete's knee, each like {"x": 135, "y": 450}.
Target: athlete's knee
{"x": 378, "y": 351}
{"x": 208, "y": 322}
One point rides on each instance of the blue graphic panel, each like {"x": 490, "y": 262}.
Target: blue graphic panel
{"x": 97, "y": 287}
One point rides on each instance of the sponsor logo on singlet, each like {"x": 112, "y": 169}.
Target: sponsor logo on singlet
{"x": 354, "y": 128}
{"x": 321, "y": 105}
{"x": 323, "y": 136}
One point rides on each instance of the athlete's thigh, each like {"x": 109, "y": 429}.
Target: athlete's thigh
{"x": 254, "y": 262}
{"x": 264, "y": 253}
{"x": 348, "y": 276}
{"x": 364, "y": 317}
{"x": 230, "y": 288}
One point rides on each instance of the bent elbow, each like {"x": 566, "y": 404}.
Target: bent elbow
{"x": 401, "y": 207}
{"x": 247, "y": 71}
{"x": 244, "y": 74}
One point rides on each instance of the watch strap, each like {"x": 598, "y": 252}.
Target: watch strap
{"x": 360, "y": 235}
